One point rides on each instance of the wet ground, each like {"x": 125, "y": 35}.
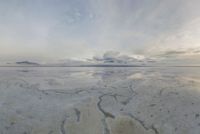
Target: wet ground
{"x": 130, "y": 100}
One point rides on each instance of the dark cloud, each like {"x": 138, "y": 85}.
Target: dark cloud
{"x": 172, "y": 53}
{"x": 179, "y": 53}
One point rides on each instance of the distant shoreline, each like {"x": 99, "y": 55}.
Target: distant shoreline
{"x": 93, "y": 66}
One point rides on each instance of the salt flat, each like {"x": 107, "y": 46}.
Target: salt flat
{"x": 129, "y": 100}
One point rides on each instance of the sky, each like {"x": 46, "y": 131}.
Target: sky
{"x": 45, "y": 30}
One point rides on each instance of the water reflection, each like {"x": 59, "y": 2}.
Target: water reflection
{"x": 166, "y": 98}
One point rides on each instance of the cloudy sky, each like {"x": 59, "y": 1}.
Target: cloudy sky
{"x": 61, "y": 29}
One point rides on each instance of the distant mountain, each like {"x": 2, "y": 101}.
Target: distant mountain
{"x": 66, "y": 63}
{"x": 27, "y": 63}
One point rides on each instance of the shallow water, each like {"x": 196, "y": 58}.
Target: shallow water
{"x": 121, "y": 100}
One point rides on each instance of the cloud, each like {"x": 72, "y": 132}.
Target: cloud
{"x": 112, "y": 57}
{"x": 180, "y": 53}
{"x": 172, "y": 53}
{"x": 181, "y": 57}
{"x": 53, "y": 29}
{"x": 185, "y": 38}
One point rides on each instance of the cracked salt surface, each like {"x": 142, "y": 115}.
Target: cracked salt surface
{"x": 99, "y": 100}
